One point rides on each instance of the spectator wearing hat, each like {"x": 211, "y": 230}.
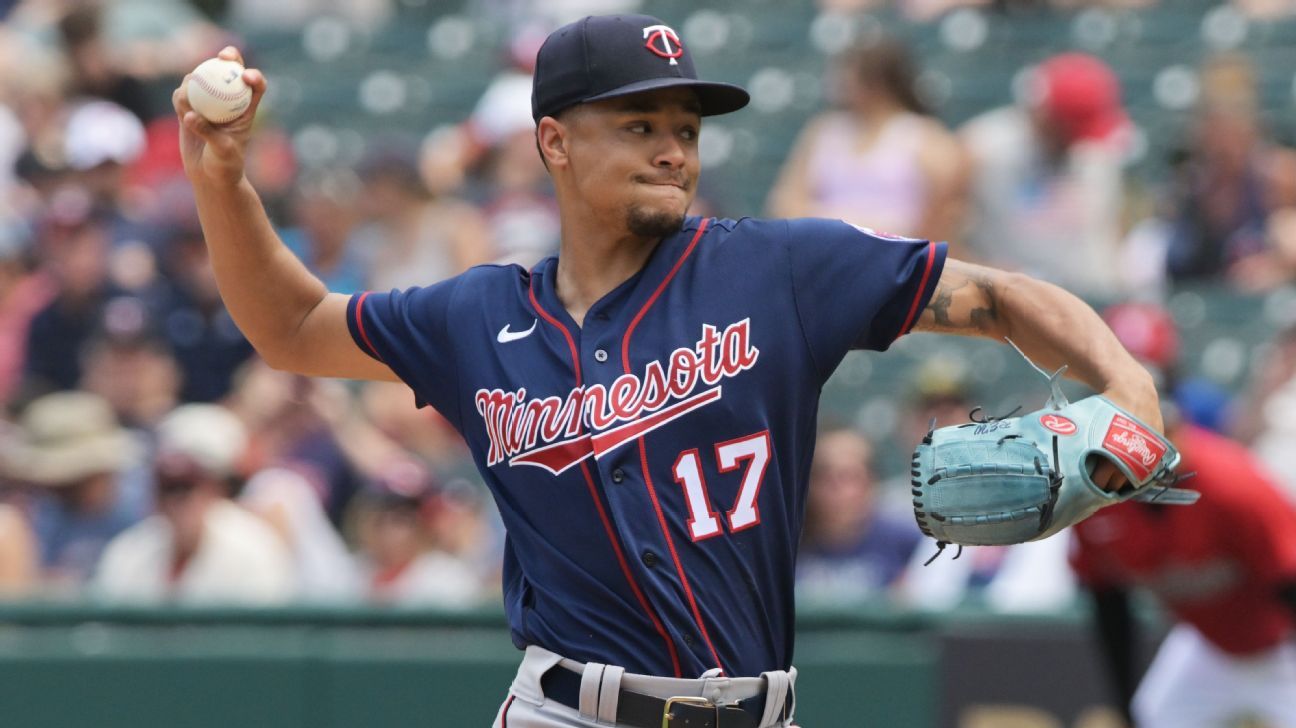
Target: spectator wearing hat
{"x": 100, "y": 140}
{"x": 193, "y": 320}
{"x": 1149, "y": 332}
{"x": 199, "y": 547}
{"x": 491, "y": 159}
{"x": 399, "y": 560}
{"x": 520, "y": 211}
{"x": 74, "y": 248}
{"x": 87, "y": 486}
{"x": 101, "y": 143}
{"x": 129, "y": 364}
{"x": 1047, "y": 181}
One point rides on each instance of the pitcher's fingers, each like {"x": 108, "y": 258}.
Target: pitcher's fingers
{"x": 180, "y": 98}
{"x": 1108, "y": 477}
{"x": 203, "y": 129}
{"x": 1101, "y": 474}
{"x": 230, "y": 53}
{"x": 257, "y": 82}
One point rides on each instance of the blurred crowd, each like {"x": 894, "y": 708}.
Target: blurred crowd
{"x": 1043, "y": 185}
{"x": 926, "y": 10}
{"x": 147, "y": 455}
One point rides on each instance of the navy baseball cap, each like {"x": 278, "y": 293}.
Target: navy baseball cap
{"x": 606, "y": 56}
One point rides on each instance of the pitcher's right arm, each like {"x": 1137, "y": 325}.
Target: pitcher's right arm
{"x": 287, "y": 313}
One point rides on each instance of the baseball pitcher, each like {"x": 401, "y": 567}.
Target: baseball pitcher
{"x": 642, "y": 406}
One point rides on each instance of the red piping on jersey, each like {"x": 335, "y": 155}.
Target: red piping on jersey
{"x": 598, "y": 503}
{"x": 643, "y": 449}
{"x": 571, "y": 343}
{"x": 360, "y": 324}
{"x": 504, "y": 713}
{"x": 625, "y": 342}
{"x": 913, "y": 307}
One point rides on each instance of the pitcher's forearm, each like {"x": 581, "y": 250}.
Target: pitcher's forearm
{"x": 267, "y": 290}
{"x": 1054, "y": 327}
{"x": 284, "y": 310}
{"x": 1050, "y": 325}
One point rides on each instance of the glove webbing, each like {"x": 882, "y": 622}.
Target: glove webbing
{"x": 1046, "y": 512}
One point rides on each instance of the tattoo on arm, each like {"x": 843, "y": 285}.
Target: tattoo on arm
{"x": 938, "y": 311}
{"x": 964, "y": 302}
{"x": 985, "y": 318}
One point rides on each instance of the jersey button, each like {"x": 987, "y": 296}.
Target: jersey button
{"x": 618, "y": 475}
{"x": 688, "y": 640}
{"x": 649, "y": 559}
{"x": 600, "y": 356}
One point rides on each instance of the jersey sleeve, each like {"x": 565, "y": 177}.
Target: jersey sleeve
{"x": 409, "y": 332}
{"x": 857, "y": 289}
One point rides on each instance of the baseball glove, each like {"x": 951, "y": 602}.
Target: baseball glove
{"x": 998, "y": 481}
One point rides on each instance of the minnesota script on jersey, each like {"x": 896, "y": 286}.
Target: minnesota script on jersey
{"x": 650, "y": 466}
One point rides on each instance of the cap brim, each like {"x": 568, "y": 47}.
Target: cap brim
{"x": 716, "y": 98}
{"x": 67, "y": 463}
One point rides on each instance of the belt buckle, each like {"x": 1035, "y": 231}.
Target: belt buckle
{"x": 667, "y": 716}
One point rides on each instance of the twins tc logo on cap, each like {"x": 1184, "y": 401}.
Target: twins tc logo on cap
{"x": 664, "y": 41}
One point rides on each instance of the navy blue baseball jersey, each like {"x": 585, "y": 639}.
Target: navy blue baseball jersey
{"x": 650, "y": 466}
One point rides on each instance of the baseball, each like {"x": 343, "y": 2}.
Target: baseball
{"x": 217, "y": 92}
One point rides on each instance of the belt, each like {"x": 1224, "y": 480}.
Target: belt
{"x": 637, "y": 710}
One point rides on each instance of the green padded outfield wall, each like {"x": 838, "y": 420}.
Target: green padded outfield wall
{"x": 64, "y": 667}
{"x": 164, "y": 669}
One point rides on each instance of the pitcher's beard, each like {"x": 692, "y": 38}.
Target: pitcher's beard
{"x": 648, "y": 223}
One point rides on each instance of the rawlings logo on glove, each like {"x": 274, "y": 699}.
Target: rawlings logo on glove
{"x": 1002, "y": 481}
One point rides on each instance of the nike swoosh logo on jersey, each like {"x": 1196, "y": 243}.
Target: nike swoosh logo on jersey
{"x": 505, "y": 336}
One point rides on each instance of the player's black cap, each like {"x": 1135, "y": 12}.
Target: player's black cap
{"x": 605, "y": 56}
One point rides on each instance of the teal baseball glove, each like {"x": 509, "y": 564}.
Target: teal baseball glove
{"x": 1005, "y": 481}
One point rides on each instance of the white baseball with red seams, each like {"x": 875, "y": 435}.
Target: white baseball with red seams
{"x": 217, "y": 92}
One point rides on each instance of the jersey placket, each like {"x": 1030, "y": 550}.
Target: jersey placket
{"x": 621, "y": 477}
{"x": 588, "y": 358}
{"x": 690, "y": 605}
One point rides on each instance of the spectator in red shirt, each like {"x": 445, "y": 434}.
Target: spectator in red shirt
{"x": 1225, "y": 569}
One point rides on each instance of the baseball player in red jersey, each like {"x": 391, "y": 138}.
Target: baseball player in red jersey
{"x": 1224, "y": 568}
{"x": 642, "y": 406}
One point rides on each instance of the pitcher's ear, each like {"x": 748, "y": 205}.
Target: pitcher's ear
{"x": 551, "y": 140}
